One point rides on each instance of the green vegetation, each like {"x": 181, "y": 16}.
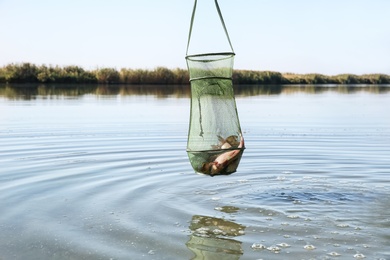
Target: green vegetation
{"x": 30, "y": 73}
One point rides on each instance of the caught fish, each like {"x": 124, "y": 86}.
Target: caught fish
{"x": 227, "y": 143}
{"x": 225, "y": 161}
{"x": 233, "y": 140}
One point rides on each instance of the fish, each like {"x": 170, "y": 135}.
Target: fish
{"x": 233, "y": 140}
{"x": 224, "y": 161}
{"x": 227, "y": 143}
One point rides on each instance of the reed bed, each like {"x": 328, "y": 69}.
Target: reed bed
{"x": 31, "y": 73}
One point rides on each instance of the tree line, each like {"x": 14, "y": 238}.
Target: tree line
{"x": 30, "y": 73}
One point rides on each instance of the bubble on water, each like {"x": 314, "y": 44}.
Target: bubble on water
{"x": 217, "y": 231}
{"x": 334, "y": 254}
{"x": 202, "y": 230}
{"x": 336, "y": 245}
{"x": 284, "y": 245}
{"x": 274, "y": 249}
{"x": 218, "y": 208}
{"x": 286, "y": 236}
{"x": 241, "y": 232}
{"x": 293, "y": 216}
{"x": 309, "y": 247}
{"x": 258, "y": 246}
{"x": 151, "y": 252}
{"x": 215, "y": 198}
{"x": 359, "y": 256}
{"x": 342, "y": 225}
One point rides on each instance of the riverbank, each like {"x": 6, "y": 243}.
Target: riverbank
{"x": 30, "y": 73}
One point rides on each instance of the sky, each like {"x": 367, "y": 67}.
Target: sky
{"x": 298, "y": 36}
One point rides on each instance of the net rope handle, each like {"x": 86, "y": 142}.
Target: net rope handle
{"x": 222, "y": 21}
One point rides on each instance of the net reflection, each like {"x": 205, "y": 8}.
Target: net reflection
{"x": 211, "y": 238}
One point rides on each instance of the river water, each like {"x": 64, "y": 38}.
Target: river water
{"x": 100, "y": 172}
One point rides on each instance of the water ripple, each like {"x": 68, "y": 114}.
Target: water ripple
{"x": 101, "y": 191}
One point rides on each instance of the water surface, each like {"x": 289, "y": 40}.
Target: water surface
{"x": 102, "y": 173}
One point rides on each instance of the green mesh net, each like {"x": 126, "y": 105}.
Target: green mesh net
{"x": 215, "y": 142}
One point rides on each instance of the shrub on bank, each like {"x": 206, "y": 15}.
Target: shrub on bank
{"x": 30, "y": 73}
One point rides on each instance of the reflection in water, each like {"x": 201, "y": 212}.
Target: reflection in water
{"x": 30, "y": 91}
{"x": 211, "y": 238}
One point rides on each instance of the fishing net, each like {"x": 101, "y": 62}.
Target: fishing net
{"x": 215, "y": 142}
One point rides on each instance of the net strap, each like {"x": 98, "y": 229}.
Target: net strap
{"x": 222, "y": 21}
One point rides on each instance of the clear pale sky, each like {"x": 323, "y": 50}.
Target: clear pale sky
{"x": 299, "y": 36}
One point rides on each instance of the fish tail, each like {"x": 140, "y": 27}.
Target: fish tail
{"x": 242, "y": 144}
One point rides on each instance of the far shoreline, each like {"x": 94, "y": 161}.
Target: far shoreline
{"x": 31, "y": 73}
